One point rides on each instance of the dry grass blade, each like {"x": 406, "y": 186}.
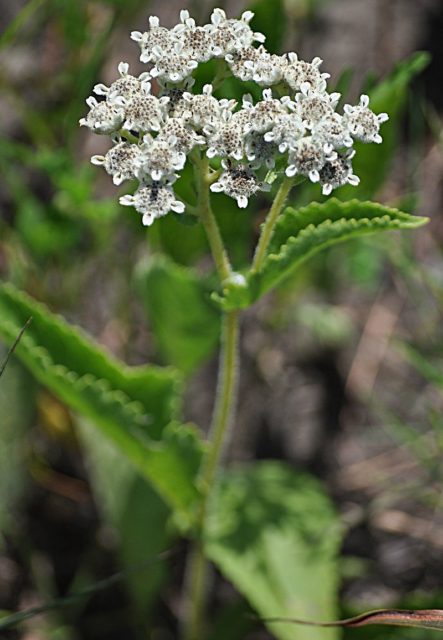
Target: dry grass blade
{"x": 422, "y": 618}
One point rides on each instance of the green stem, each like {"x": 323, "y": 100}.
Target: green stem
{"x": 225, "y": 399}
{"x": 218, "y": 437}
{"x": 197, "y": 569}
{"x": 268, "y": 226}
{"x": 130, "y": 137}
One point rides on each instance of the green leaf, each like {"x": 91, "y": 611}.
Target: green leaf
{"x": 135, "y": 510}
{"x": 136, "y": 407}
{"x": 302, "y": 233}
{"x": 17, "y": 405}
{"x": 185, "y": 322}
{"x": 274, "y": 534}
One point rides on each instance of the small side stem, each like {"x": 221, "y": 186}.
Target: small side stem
{"x": 204, "y": 179}
{"x": 268, "y": 226}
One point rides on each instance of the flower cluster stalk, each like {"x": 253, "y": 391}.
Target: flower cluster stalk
{"x": 203, "y": 180}
{"x": 222, "y": 415}
{"x": 269, "y": 224}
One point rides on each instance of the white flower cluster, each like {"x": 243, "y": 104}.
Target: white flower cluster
{"x": 295, "y": 127}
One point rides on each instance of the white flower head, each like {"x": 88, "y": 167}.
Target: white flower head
{"x": 238, "y": 182}
{"x": 124, "y": 87}
{"x": 242, "y": 62}
{"x": 262, "y": 115}
{"x": 103, "y": 118}
{"x": 202, "y": 109}
{"x": 144, "y": 112}
{"x": 259, "y": 151}
{"x": 180, "y": 136}
{"x": 153, "y": 200}
{"x": 158, "y": 159}
{"x": 156, "y": 39}
{"x": 312, "y": 106}
{"x": 286, "y": 130}
{"x": 196, "y": 42}
{"x": 338, "y": 172}
{"x": 120, "y": 161}
{"x": 226, "y": 138}
{"x": 268, "y": 68}
{"x": 298, "y": 73}
{"x": 170, "y": 119}
{"x": 307, "y": 157}
{"x": 363, "y": 123}
{"x": 231, "y": 35}
{"x": 334, "y": 132}
{"x": 173, "y": 66}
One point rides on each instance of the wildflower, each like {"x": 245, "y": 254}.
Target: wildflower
{"x": 103, "y": 117}
{"x": 363, "y": 123}
{"x": 120, "y": 161}
{"x": 263, "y": 114}
{"x": 157, "y": 37}
{"x": 153, "y": 200}
{"x": 225, "y": 138}
{"x": 180, "y": 136}
{"x": 175, "y": 65}
{"x": 126, "y": 86}
{"x": 312, "y": 105}
{"x": 238, "y": 182}
{"x": 337, "y": 172}
{"x": 144, "y": 112}
{"x": 334, "y": 131}
{"x": 230, "y": 35}
{"x": 158, "y": 158}
{"x": 248, "y": 137}
{"x": 269, "y": 68}
{"x": 203, "y": 109}
{"x": 196, "y": 41}
{"x": 242, "y": 62}
{"x": 307, "y": 157}
{"x": 286, "y": 130}
{"x": 298, "y": 73}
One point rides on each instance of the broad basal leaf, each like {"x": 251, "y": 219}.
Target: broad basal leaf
{"x": 273, "y": 533}
{"x": 186, "y": 324}
{"x": 133, "y": 406}
{"x": 301, "y": 233}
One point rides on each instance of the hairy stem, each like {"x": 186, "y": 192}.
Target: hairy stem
{"x": 222, "y": 419}
{"x": 268, "y": 226}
